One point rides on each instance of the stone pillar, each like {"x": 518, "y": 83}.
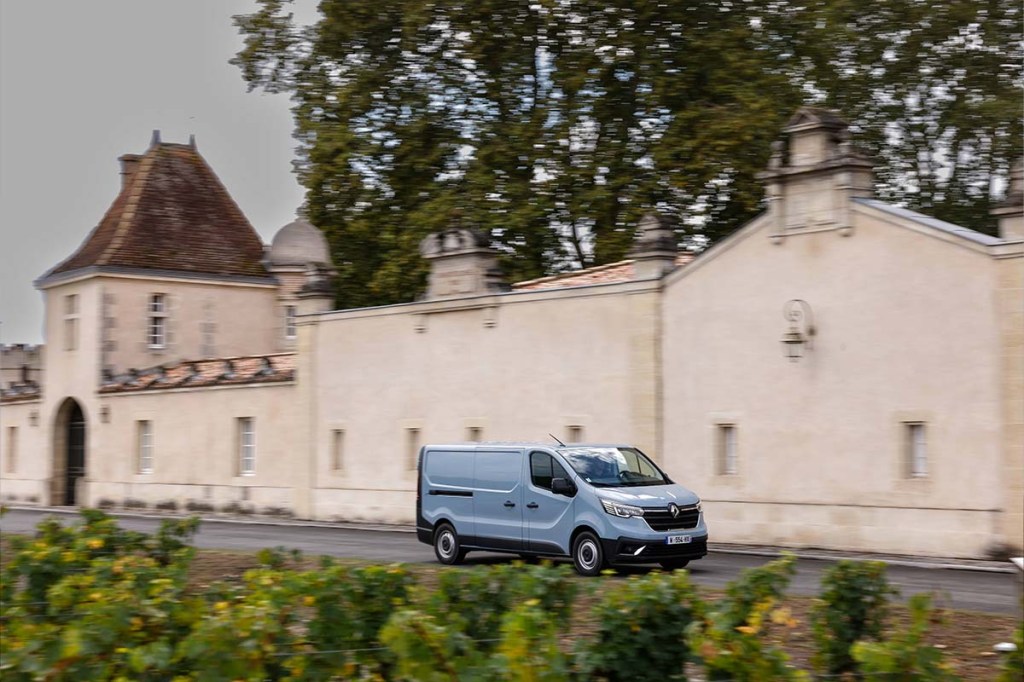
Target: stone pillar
{"x": 317, "y": 294}
{"x": 1011, "y": 212}
{"x": 655, "y": 251}
{"x": 1010, "y": 311}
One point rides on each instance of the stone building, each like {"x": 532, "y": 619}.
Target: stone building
{"x": 839, "y": 373}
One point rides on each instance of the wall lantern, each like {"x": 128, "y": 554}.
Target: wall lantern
{"x": 105, "y": 414}
{"x": 33, "y": 417}
{"x": 801, "y": 329}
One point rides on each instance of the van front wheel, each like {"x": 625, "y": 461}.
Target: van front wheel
{"x": 587, "y": 555}
{"x": 447, "y": 546}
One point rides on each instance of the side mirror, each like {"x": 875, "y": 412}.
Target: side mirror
{"x": 563, "y": 486}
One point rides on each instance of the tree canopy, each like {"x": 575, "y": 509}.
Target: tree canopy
{"x": 554, "y": 125}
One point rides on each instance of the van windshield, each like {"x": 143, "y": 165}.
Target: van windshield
{"x": 613, "y": 467}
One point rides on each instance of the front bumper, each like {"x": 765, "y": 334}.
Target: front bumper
{"x": 627, "y": 550}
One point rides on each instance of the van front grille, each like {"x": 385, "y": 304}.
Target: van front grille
{"x": 659, "y": 518}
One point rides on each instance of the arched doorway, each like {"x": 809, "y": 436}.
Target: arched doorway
{"x": 69, "y": 453}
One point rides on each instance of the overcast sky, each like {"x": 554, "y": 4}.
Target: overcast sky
{"x": 82, "y": 83}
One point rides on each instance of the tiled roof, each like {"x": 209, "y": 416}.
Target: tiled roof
{"x": 610, "y": 273}
{"x": 20, "y": 393}
{"x": 257, "y": 369}
{"x": 172, "y": 214}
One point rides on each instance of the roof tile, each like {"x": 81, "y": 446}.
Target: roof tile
{"x": 256, "y": 369}
{"x": 610, "y": 273}
{"x": 173, "y": 214}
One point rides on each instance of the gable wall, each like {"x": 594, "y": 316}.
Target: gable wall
{"x": 906, "y": 332}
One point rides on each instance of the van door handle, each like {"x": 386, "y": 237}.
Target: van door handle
{"x": 532, "y": 505}
{"x": 509, "y": 503}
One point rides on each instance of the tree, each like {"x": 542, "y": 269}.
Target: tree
{"x": 934, "y": 90}
{"x": 555, "y": 124}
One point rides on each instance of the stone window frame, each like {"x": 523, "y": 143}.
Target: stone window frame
{"x": 144, "y": 446}
{"x": 246, "y": 437}
{"x": 291, "y": 330}
{"x": 916, "y": 462}
{"x": 11, "y": 451}
{"x": 156, "y": 321}
{"x": 337, "y": 446}
{"x": 727, "y": 455}
{"x": 71, "y": 316}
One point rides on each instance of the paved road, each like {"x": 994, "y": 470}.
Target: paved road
{"x": 970, "y": 590}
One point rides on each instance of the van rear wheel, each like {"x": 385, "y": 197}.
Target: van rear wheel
{"x": 587, "y": 555}
{"x": 447, "y": 547}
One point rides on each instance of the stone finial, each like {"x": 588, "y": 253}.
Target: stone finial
{"x": 1010, "y": 212}
{"x": 1015, "y": 191}
{"x": 317, "y": 293}
{"x": 318, "y": 279}
{"x": 453, "y": 241}
{"x": 461, "y": 264}
{"x": 655, "y": 250}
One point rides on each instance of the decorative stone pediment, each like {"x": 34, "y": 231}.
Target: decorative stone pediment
{"x": 813, "y": 173}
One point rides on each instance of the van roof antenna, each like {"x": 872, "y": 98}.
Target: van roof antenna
{"x": 558, "y": 441}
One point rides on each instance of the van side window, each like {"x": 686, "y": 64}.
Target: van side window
{"x": 543, "y": 468}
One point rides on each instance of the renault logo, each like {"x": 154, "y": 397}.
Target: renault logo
{"x": 673, "y": 509}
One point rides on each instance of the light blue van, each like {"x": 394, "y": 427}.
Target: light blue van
{"x": 599, "y": 504}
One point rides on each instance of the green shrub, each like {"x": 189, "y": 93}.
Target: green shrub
{"x": 347, "y": 608}
{"x": 1013, "y": 666}
{"x": 730, "y": 638}
{"x": 249, "y": 632}
{"x": 853, "y": 606}
{"x": 57, "y": 551}
{"x": 475, "y": 600}
{"x": 94, "y": 601}
{"x": 905, "y": 656}
{"x": 428, "y": 651}
{"x": 641, "y": 630}
{"x": 528, "y": 651}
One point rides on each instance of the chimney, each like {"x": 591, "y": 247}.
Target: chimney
{"x": 654, "y": 253}
{"x": 129, "y": 164}
{"x": 461, "y": 264}
{"x": 1010, "y": 212}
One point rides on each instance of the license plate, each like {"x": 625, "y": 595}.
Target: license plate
{"x": 678, "y": 539}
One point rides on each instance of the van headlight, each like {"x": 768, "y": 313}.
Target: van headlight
{"x": 623, "y": 510}
{"x": 700, "y": 507}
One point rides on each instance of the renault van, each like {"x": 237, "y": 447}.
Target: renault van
{"x": 599, "y": 504}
